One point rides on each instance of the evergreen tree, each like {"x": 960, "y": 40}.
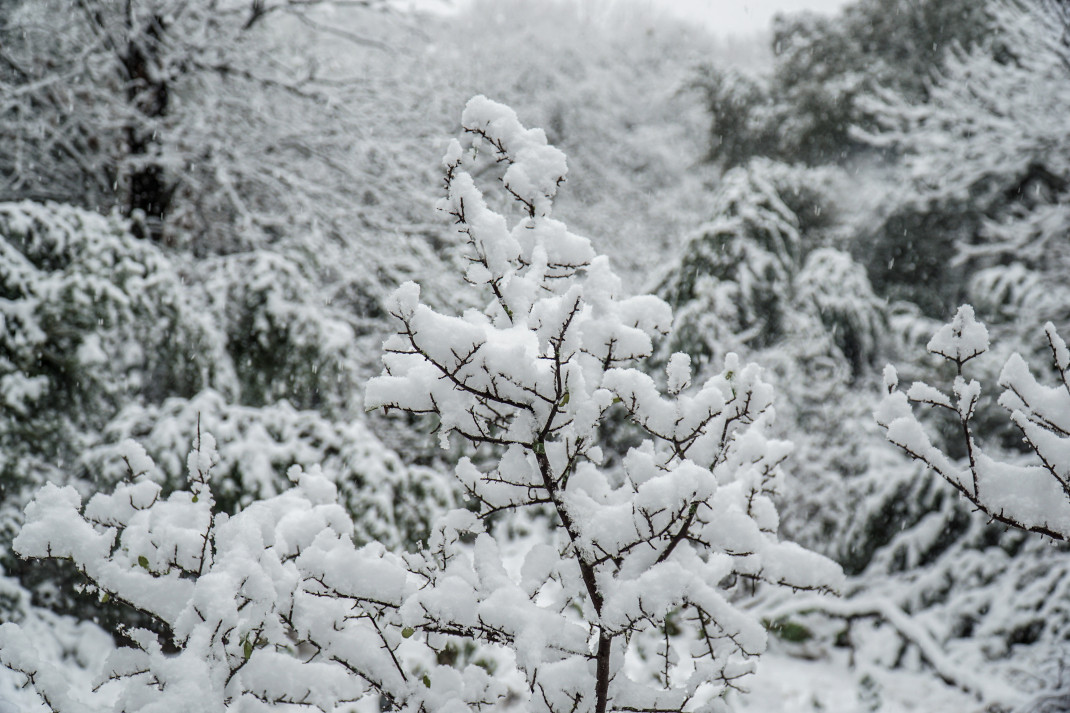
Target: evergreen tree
{"x": 985, "y": 169}
{"x": 824, "y": 68}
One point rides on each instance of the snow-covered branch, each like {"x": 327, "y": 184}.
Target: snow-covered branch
{"x": 1032, "y": 496}
{"x": 910, "y": 629}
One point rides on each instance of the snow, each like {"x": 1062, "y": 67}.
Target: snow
{"x": 962, "y": 339}
{"x": 1058, "y": 348}
{"x": 924, "y": 393}
{"x": 831, "y": 684}
{"x": 678, "y": 372}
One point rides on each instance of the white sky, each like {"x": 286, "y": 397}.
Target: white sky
{"x": 742, "y": 16}
{"x": 723, "y": 17}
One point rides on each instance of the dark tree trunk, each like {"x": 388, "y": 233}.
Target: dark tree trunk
{"x": 149, "y": 191}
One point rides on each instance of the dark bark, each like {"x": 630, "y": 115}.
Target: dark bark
{"x": 148, "y": 92}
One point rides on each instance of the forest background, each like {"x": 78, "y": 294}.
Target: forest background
{"x": 206, "y": 207}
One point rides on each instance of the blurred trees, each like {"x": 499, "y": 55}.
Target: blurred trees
{"x": 213, "y": 130}
{"x": 945, "y": 122}
{"x": 198, "y": 120}
{"x": 103, "y": 337}
{"x": 768, "y": 269}
{"x": 822, "y": 67}
{"x": 984, "y": 157}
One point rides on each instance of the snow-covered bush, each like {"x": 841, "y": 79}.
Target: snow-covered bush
{"x": 1033, "y": 496}
{"x": 271, "y": 608}
{"x": 285, "y": 341}
{"x": 89, "y": 316}
{"x": 633, "y": 604}
{"x": 391, "y": 502}
{"x": 768, "y": 268}
{"x": 105, "y": 337}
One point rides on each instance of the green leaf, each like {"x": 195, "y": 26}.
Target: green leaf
{"x": 487, "y": 665}
{"x": 787, "y": 630}
{"x": 143, "y": 561}
{"x": 407, "y": 632}
{"x": 195, "y": 498}
{"x": 427, "y": 680}
{"x": 539, "y": 447}
{"x": 105, "y": 598}
{"x": 247, "y": 649}
{"x": 564, "y": 400}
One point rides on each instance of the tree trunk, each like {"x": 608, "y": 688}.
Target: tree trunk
{"x": 149, "y": 193}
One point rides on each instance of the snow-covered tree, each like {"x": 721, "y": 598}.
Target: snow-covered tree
{"x": 730, "y": 286}
{"x": 191, "y": 118}
{"x": 824, "y": 69}
{"x": 656, "y": 552}
{"x": 768, "y": 268}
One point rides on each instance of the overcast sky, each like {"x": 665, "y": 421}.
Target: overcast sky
{"x": 742, "y": 16}
{"x": 723, "y": 17}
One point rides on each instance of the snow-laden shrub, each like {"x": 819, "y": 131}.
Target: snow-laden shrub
{"x": 767, "y": 270}
{"x": 645, "y": 565}
{"x": 284, "y": 341}
{"x": 391, "y": 502}
{"x": 89, "y": 316}
{"x": 94, "y": 321}
{"x": 271, "y": 607}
